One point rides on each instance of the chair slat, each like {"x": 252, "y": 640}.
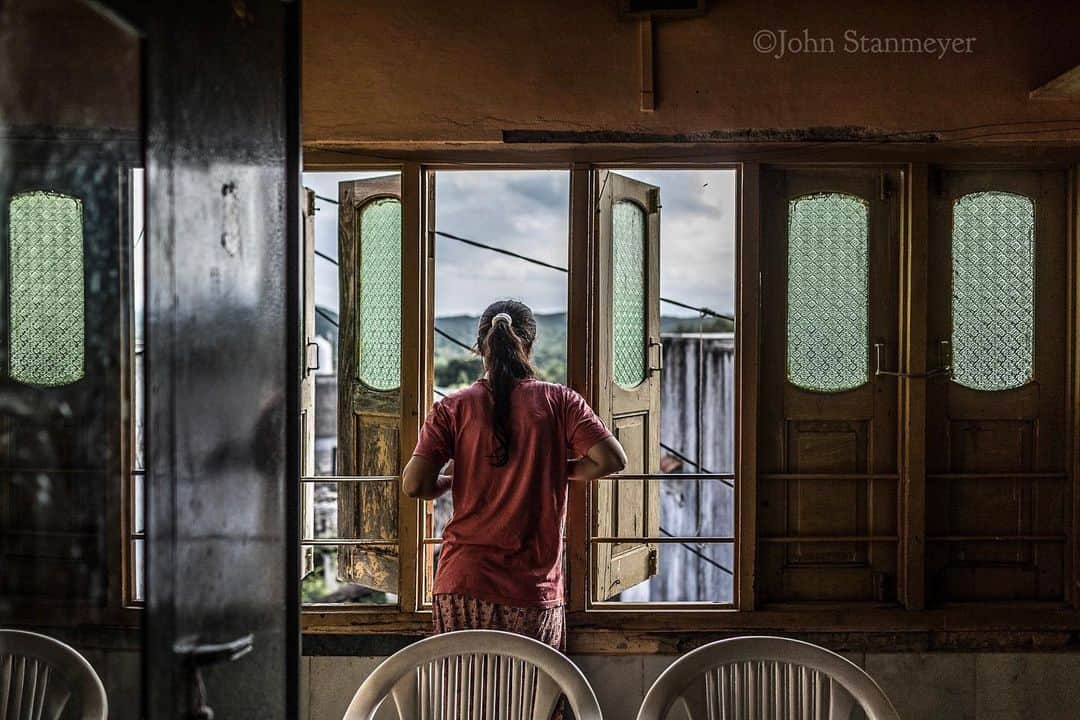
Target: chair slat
{"x": 406, "y": 695}
{"x": 841, "y": 704}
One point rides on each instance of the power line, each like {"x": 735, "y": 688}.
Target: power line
{"x": 501, "y": 251}
{"x": 509, "y": 253}
{"x": 324, "y": 256}
{"x": 327, "y": 317}
{"x": 541, "y": 263}
{"x": 452, "y": 339}
{"x": 685, "y": 459}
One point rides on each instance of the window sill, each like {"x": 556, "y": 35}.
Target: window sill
{"x": 973, "y": 628}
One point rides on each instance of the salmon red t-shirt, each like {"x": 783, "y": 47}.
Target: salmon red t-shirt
{"x": 504, "y": 542}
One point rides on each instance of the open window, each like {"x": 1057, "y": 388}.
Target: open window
{"x": 497, "y": 234}
{"x": 351, "y": 388}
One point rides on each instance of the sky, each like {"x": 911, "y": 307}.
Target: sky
{"x": 526, "y": 211}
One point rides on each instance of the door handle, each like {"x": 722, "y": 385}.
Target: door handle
{"x": 203, "y": 654}
{"x": 310, "y": 366}
{"x": 198, "y": 655}
{"x": 944, "y": 369}
{"x": 658, "y": 365}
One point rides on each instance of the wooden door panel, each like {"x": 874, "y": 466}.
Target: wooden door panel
{"x": 996, "y": 493}
{"x": 369, "y": 417}
{"x": 628, "y": 508}
{"x": 827, "y": 507}
{"x": 850, "y": 432}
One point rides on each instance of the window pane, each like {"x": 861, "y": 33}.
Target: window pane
{"x": 46, "y": 289}
{"x": 827, "y": 333}
{"x": 628, "y": 293}
{"x": 993, "y": 256}
{"x": 380, "y": 294}
{"x": 328, "y": 582}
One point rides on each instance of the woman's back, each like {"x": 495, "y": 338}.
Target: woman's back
{"x": 504, "y": 542}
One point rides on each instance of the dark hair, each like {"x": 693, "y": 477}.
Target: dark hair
{"x": 505, "y": 347}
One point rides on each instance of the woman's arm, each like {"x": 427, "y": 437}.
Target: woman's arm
{"x": 423, "y": 480}
{"x": 603, "y": 459}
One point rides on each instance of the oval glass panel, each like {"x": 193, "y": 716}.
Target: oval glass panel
{"x": 380, "y": 294}
{"x": 628, "y": 291}
{"x": 993, "y": 311}
{"x": 827, "y": 292}
{"x": 47, "y": 305}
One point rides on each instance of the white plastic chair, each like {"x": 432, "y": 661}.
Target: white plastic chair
{"x": 44, "y": 679}
{"x": 475, "y": 675}
{"x": 752, "y": 678}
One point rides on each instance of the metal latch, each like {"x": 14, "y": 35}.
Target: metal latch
{"x": 198, "y": 655}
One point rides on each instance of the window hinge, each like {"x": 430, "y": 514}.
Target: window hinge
{"x": 885, "y": 186}
{"x": 654, "y": 200}
{"x": 654, "y": 563}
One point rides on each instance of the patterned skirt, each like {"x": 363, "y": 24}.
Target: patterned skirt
{"x": 548, "y": 625}
{"x": 460, "y": 612}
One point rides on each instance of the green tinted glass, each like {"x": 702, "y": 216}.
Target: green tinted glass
{"x": 46, "y": 289}
{"x": 827, "y": 322}
{"x": 628, "y": 293}
{"x": 993, "y": 311}
{"x": 380, "y": 294}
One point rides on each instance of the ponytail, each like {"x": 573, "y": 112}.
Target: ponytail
{"x": 505, "y": 338}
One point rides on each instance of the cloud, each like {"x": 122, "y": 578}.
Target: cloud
{"x": 527, "y": 212}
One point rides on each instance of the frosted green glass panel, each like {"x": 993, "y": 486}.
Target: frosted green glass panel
{"x": 828, "y": 298}
{"x": 993, "y": 312}
{"x": 47, "y": 343}
{"x": 628, "y": 293}
{"x": 380, "y": 294}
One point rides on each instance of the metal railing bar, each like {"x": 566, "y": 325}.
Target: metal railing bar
{"x": 829, "y": 538}
{"x": 998, "y": 476}
{"x": 314, "y": 542}
{"x": 669, "y": 476}
{"x": 348, "y": 478}
{"x": 829, "y": 476}
{"x": 668, "y": 540}
{"x": 996, "y": 538}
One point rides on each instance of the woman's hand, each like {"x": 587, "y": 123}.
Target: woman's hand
{"x": 603, "y": 459}
{"x": 426, "y": 480}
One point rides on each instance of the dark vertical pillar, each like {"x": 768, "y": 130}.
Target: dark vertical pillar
{"x": 222, "y": 116}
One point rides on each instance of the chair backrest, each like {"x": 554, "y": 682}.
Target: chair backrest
{"x": 44, "y": 679}
{"x": 475, "y": 675}
{"x": 751, "y": 678}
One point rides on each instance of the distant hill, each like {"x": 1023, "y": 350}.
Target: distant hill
{"x": 456, "y": 366}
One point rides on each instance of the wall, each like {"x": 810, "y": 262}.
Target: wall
{"x": 697, "y": 394}
{"x": 401, "y": 71}
{"x": 922, "y": 686}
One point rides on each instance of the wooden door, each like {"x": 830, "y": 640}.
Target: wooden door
{"x": 828, "y": 433}
{"x": 629, "y": 358}
{"x": 369, "y": 372}
{"x": 995, "y": 439}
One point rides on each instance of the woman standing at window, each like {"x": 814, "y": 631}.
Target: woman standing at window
{"x": 501, "y": 445}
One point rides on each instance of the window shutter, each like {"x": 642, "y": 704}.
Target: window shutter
{"x": 369, "y": 372}
{"x": 309, "y": 361}
{"x": 629, "y": 352}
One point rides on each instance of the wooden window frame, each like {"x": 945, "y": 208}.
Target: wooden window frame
{"x": 654, "y": 627}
